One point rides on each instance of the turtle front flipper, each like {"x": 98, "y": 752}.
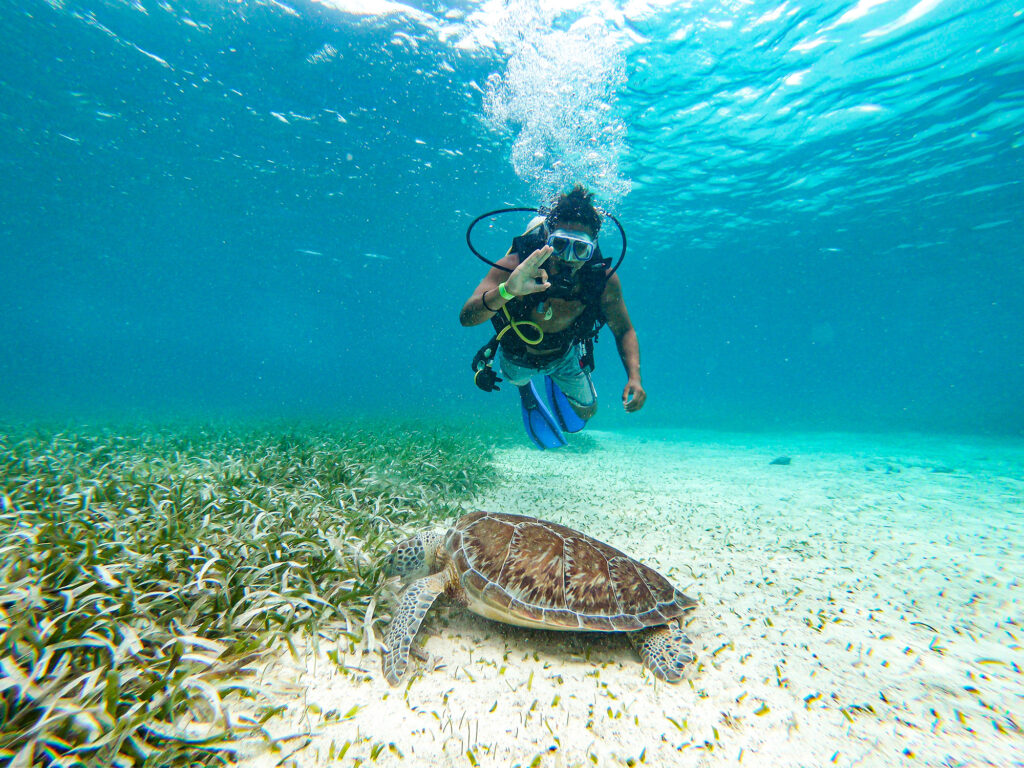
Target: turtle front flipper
{"x": 409, "y": 613}
{"x": 664, "y": 650}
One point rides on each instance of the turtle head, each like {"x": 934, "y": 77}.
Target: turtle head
{"x": 414, "y": 557}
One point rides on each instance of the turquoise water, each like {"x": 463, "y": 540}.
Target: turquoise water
{"x": 258, "y": 208}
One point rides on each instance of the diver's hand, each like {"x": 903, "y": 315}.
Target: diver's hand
{"x": 633, "y": 396}
{"x": 529, "y": 277}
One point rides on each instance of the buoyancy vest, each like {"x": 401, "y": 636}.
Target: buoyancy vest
{"x": 586, "y": 285}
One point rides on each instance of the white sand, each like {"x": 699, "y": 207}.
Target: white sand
{"x": 847, "y": 615}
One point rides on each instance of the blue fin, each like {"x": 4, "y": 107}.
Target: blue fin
{"x": 567, "y": 418}
{"x": 537, "y": 419}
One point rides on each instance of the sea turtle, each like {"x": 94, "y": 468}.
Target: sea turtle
{"x": 534, "y": 573}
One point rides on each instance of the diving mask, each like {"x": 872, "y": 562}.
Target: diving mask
{"x": 571, "y": 246}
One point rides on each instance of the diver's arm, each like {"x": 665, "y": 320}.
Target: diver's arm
{"x": 486, "y": 299}
{"x": 527, "y": 277}
{"x": 614, "y": 308}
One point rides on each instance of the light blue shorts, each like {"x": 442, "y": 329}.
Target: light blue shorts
{"x": 572, "y": 379}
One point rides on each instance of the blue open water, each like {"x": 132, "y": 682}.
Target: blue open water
{"x": 258, "y": 208}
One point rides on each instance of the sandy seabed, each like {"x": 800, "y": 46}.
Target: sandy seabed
{"x": 860, "y": 606}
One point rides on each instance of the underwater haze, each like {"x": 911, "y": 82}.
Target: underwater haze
{"x": 259, "y": 208}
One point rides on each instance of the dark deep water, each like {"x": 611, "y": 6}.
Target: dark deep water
{"x": 259, "y": 209}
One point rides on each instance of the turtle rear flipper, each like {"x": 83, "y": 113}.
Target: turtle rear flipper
{"x": 664, "y": 650}
{"x": 409, "y": 613}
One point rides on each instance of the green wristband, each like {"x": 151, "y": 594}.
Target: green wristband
{"x": 504, "y": 292}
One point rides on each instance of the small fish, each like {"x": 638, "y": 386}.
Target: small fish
{"x": 308, "y": 252}
{"x": 376, "y": 256}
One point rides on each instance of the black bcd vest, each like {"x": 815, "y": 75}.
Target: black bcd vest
{"x": 586, "y": 285}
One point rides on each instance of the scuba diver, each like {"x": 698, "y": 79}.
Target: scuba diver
{"x": 547, "y": 299}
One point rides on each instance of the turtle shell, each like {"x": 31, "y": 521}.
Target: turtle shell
{"x": 535, "y": 573}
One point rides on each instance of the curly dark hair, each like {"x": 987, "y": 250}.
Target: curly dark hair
{"x": 577, "y": 207}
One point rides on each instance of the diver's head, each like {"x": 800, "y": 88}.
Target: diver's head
{"x": 575, "y": 207}
{"x": 573, "y": 223}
